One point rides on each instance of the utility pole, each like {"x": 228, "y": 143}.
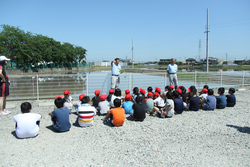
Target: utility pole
{"x": 199, "y": 52}
{"x": 207, "y": 57}
{"x": 132, "y": 54}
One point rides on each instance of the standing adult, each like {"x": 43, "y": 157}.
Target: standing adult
{"x": 172, "y": 70}
{"x": 116, "y": 70}
{"x": 4, "y": 85}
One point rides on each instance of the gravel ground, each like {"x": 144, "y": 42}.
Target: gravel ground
{"x": 203, "y": 138}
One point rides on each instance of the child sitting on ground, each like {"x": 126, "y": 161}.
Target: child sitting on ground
{"x": 194, "y": 101}
{"x": 79, "y": 103}
{"x": 183, "y": 95}
{"x": 139, "y": 108}
{"x": 86, "y": 113}
{"x": 209, "y": 102}
{"x": 221, "y": 99}
{"x": 127, "y": 91}
{"x": 158, "y": 90}
{"x": 168, "y": 89}
{"x": 142, "y": 93}
{"x": 178, "y": 103}
{"x": 168, "y": 110}
{"x": 127, "y": 105}
{"x": 149, "y": 102}
{"x": 60, "y": 116}
{"x": 111, "y": 92}
{"x": 27, "y": 124}
{"x": 204, "y": 87}
{"x": 117, "y": 114}
{"x": 96, "y": 98}
{"x": 158, "y": 103}
{"x": 150, "y": 89}
{"x": 103, "y": 105}
{"x": 135, "y": 94}
{"x": 231, "y": 100}
{"x": 117, "y": 94}
{"x": 68, "y": 100}
{"x": 203, "y": 93}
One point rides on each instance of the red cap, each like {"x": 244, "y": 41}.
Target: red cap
{"x": 81, "y": 96}
{"x": 205, "y": 90}
{"x": 111, "y": 91}
{"x": 179, "y": 90}
{"x": 103, "y": 97}
{"x": 150, "y": 94}
{"x": 157, "y": 89}
{"x": 128, "y": 97}
{"x": 179, "y": 87}
{"x": 142, "y": 91}
{"x": 66, "y": 92}
{"x": 97, "y": 92}
{"x": 127, "y": 91}
{"x": 156, "y": 94}
{"x": 171, "y": 86}
{"x": 58, "y": 96}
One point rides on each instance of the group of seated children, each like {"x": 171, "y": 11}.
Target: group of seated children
{"x": 114, "y": 107}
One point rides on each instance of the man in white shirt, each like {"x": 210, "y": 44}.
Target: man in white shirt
{"x": 172, "y": 70}
{"x": 115, "y": 70}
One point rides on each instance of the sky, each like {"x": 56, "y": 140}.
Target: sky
{"x": 159, "y": 29}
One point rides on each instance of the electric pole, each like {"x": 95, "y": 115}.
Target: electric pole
{"x": 199, "y": 52}
{"x": 132, "y": 54}
{"x": 207, "y": 57}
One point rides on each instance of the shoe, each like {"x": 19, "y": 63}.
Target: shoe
{"x": 4, "y": 113}
{"x": 7, "y": 111}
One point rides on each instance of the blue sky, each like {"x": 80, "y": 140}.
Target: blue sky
{"x": 159, "y": 28}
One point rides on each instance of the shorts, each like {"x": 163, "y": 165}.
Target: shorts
{"x": 4, "y": 89}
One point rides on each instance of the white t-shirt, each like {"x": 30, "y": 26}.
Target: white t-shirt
{"x": 171, "y": 112}
{"x": 103, "y": 106}
{"x": 68, "y": 103}
{"x": 113, "y": 97}
{"x": 27, "y": 124}
{"x": 204, "y": 95}
{"x": 159, "y": 102}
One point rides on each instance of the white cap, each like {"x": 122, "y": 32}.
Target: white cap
{"x": 3, "y": 58}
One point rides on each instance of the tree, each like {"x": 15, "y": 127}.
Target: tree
{"x": 80, "y": 54}
{"x": 25, "y": 47}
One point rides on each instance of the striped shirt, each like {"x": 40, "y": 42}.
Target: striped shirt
{"x": 86, "y": 115}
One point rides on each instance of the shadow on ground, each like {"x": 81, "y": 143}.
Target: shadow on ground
{"x": 241, "y": 129}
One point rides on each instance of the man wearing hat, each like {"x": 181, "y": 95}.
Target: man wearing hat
{"x": 172, "y": 70}
{"x": 115, "y": 70}
{"x": 4, "y": 86}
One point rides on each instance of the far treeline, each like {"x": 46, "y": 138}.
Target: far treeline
{"x": 26, "y": 47}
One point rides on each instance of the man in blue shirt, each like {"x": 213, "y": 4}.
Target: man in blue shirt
{"x": 115, "y": 70}
{"x": 172, "y": 70}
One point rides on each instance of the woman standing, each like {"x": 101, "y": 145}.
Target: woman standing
{"x": 4, "y": 86}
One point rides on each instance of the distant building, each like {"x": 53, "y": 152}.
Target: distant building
{"x": 242, "y": 62}
{"x": 165, "y": 60}
{"x": 210, "y": 60}
{"x": 190, "y": 61}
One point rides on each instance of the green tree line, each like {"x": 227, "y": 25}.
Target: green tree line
{"x": 26, "y": 47}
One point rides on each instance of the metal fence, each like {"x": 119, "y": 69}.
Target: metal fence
{"x": 49, "y": 85}
{"x": 30, "y": 66}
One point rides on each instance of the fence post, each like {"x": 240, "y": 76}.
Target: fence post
{"x": 220, "y": 78}
{"x": 87, "y": 84}
{"x": 195, "y": 75}
{"x": 129, "y": 82}
{"x": 243, "y": 78}
{"x": 165, "y": 79}
{"x": 37, "y": 89}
